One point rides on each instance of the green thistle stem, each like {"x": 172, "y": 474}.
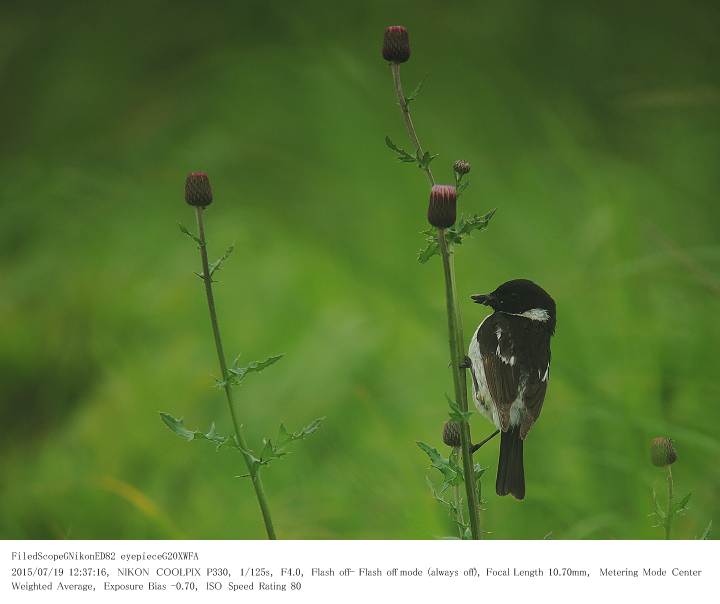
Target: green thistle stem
{"x": 454, "y": 323}
{"x": 240, "y": 437}
{"x": 407, "y": 118}
{"x": 669, "y": 515}
{"x": 456, "y": 354}
{"x": 457, "y": 499}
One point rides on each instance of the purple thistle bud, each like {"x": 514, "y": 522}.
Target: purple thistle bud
{"x": 396, "y": 44}
{"x": 443, "y": 206}
{"x": 461, "y": 166}
{"x": 451, "y": 434}
{"x": 662, "y": 452}
{"x": 197, "y": 189}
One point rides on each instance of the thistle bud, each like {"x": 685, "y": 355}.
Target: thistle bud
{"x": 396, "y": 44}
{"x": 451, "y": 434}
{"x": 662, "y": 452}
{"x": 442, "y": 209}
{"x": 461, "y": 166}
{"x": 197, "y": 189}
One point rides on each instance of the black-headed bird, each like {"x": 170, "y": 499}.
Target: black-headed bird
{"x": 509, "y": 359}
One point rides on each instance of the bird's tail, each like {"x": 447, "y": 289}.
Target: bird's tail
{"x": 511, "y": 473}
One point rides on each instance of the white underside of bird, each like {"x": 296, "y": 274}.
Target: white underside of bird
{"x": 481, "y": 394}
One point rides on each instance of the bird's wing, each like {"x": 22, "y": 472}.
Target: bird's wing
{"x": 502, "y": 372}
{"x": 535, "y": 389}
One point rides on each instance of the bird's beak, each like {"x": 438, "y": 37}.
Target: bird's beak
{"x": 485, "y": 299}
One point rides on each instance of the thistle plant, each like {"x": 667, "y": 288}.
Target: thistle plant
{"x": 446, "y": 232}
{"x": 447, "y": 493}
{"x": 198, "y": 194}
{"x": 663, "y": 455}
{"x": 451, "y": 436}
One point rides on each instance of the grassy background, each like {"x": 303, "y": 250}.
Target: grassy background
{"x": 593, "y": 127}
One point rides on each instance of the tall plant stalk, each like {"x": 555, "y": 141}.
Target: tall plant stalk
{"x": 198, "y": 194}
{"x": 226, "y": 378}
{"x": 664, "y": 455}
{"x": 455, "y": 334}
{"x": 457, "y": 498}
{"x": 669, "y": 514}
{"x": 407, "y": 118}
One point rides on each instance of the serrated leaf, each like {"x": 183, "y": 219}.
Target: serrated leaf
{"x": 424, "y": 159}
{"x": 178, "y": 427}
{"x": 238, "y": 374}
{"x": 285, "y": 437}
{"x": 432, "y": 247}
{"x": 656, "y": 504}
{"x": 453, "y": 511}
{"x": 437, "y": 495}
{"x": 467, "y": 225}
{"x": 217, "y": 265}
{"x": 451, "y": 472}
{"x": 192, "y": 236}
{"x": 391, "y": 145}
{"x": 212, "y": 436}
{"x": 454, "y": 235}
{"x": 267, "y": 449}
{"x": 416, "y": 92}
{"x": 461, "y": 183}
{"x": 456, "y": 414}
{"x": 276, "y": 449}
{"x": 403, "y": 155}
{"x": 681, "y": 506}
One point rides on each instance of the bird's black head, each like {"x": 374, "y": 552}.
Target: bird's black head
{"x": 522, "y": 297}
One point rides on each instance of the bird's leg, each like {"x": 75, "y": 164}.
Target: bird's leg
{"x": 481, "y": 443}
{"x": 466, "y": 364}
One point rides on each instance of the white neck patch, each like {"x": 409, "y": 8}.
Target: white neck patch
{"x": 534, "y": 314}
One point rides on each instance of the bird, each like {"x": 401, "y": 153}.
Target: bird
{"x": 509, "y": 361}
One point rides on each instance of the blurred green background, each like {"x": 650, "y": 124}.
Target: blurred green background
{"x": 593, "y": 127}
